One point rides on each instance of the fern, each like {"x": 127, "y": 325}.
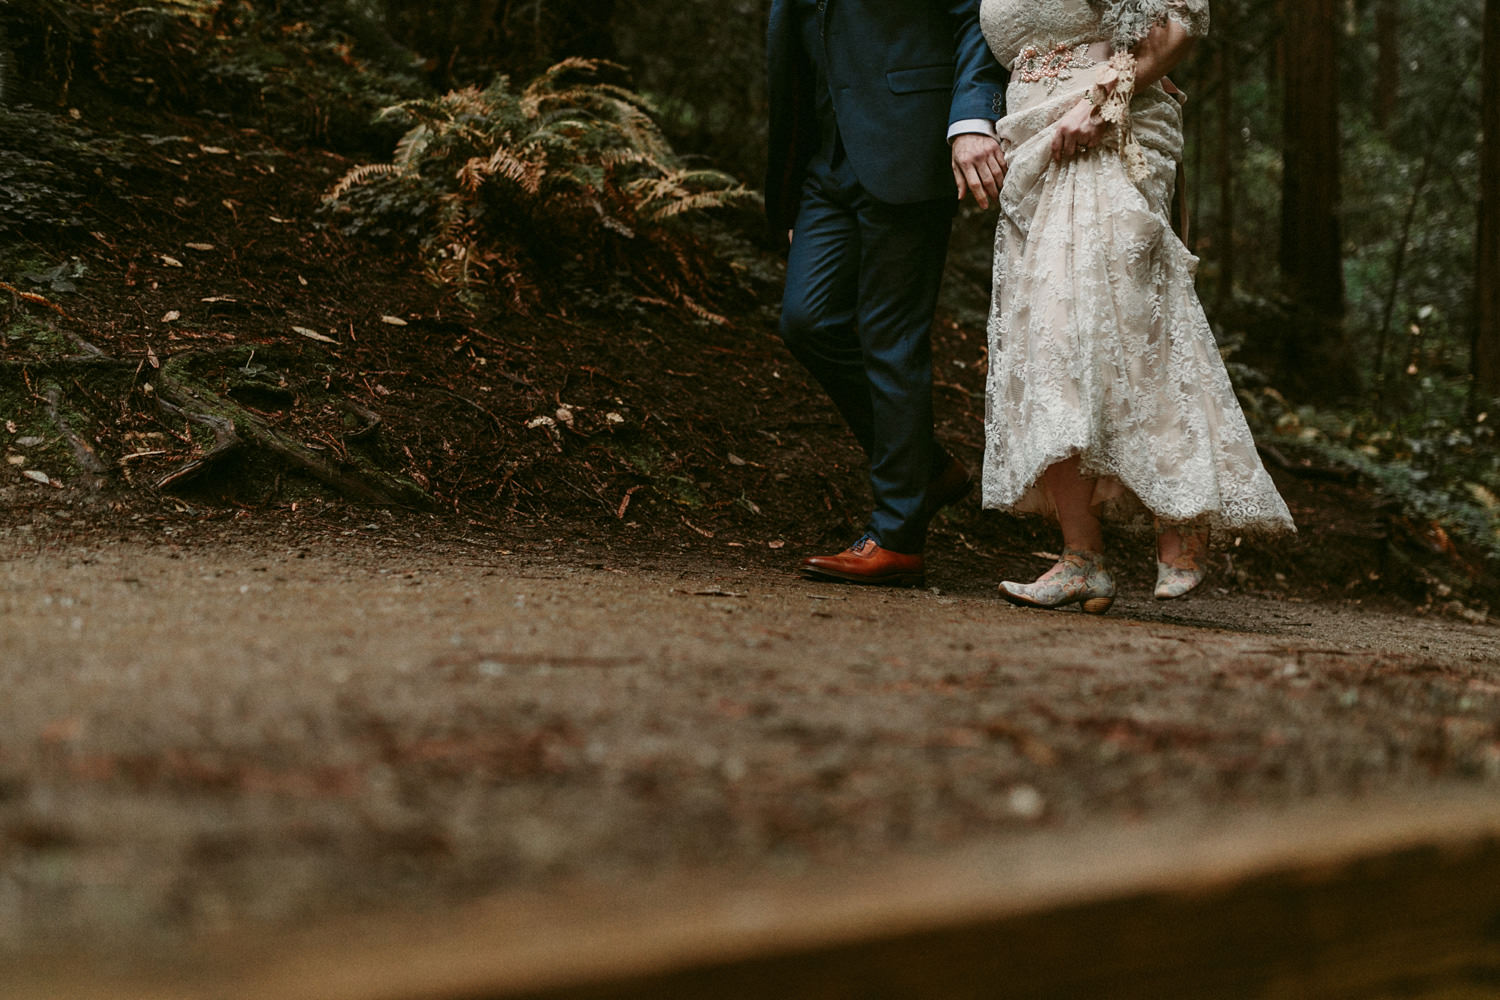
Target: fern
{"x": 361, "y": 174}
{"x": 411, "y": 146}
{"x": 699, "y": 202}
{"x": 569, "y": 174}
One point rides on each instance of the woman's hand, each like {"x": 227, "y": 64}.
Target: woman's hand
{"x": 1077, "y": 131}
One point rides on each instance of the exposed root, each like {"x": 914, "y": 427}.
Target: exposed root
{"x": 226, "y": 442}
{"x": 83, "y": 453}
{"x": 236, "y": 428}
{"x": 369, "y": 422}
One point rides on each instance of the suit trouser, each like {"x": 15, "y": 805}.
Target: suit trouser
{"x": 862, "y": 286}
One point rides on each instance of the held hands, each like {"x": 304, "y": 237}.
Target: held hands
{"x": 978, "y": 167}
{"x": 1077, "y": 131}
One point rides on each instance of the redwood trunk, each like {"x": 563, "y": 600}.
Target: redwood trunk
{"x": 1311, "y": 254}
{"x": 1487, "y": 330}
{"x": 1387, "y": 62}
{"x": 1228, "y": 149}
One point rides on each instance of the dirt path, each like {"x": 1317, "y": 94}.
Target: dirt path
{"x": 203, "y": 731}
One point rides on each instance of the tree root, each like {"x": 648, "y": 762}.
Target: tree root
{"x": 236, "y": 428}
{"x": 83, "y": 453}
{"x": 226, "y": 442}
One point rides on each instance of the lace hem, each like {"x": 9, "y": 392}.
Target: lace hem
{"x": 1119, "y": 503}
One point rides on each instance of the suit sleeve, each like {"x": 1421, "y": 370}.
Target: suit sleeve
{"x": 978, "y": 80}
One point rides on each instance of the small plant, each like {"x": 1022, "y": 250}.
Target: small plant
{"x": 541, "y": 190}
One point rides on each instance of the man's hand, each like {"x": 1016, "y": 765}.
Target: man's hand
{"x": 978, "y": 167}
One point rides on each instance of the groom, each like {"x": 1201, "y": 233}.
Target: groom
{"x": 880, "y": 109}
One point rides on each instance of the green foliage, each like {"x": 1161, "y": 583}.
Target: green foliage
{"x": 540, "y": 189}
{"x": 1410, "y": 215}
{"x": 304, "y": 70}
{"x": 1410, "y": 189}
{"x": 309, "y": 71}
{"x": 1435, "y": 470}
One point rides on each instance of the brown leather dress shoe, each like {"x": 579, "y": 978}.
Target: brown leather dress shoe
{"x": 866, "y": 562}
{"x": 949, "y": 486}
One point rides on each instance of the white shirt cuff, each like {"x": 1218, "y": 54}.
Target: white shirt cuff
{"x": 971, "y": 126}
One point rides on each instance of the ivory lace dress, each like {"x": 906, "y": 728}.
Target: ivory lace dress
{"x": 1098, "y": 344}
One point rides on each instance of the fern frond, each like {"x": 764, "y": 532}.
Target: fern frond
{"x": 359, "y": 175}
{"x": 705, "y": 178}
{"x": 504, "y": 163}
{"x": 573, "y": 64}
{"x": 701, "y": 202}
{"x": 601, "y": 95}
{"x": 593, "y": 101}
{"x": 454, "y": 220}
{"x": 609, "y": 221}
{"x": 629, "y": 157}
{"x": 465, "y": 101}
{"x": 411, "y": 146}
{"x": 646, "y": 190}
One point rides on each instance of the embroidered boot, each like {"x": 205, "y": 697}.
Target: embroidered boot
{"x": 1182, "y": 574}
{"x": 1079, "y": 578}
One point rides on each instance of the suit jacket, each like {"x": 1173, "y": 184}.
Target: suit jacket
{"x": 900, "y": 72}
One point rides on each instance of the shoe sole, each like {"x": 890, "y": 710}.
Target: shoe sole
{"x": 893, "y": 580}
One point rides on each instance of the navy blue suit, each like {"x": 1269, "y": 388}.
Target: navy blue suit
{"x": 862, "y": 93}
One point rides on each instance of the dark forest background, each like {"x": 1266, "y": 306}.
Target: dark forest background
{"x": 1342, "y": 175}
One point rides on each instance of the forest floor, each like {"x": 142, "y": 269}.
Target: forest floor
{"x": 236, "y": 696}
{"x": 266, "y": 722}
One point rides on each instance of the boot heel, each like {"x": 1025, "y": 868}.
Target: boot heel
{"x": 1098, "y": 605}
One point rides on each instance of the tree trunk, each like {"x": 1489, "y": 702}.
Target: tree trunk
{"x": 1487, "y": 328}
{"x": 1228, "y": 66}
{"x": 1311, "y": 250}
{"x": 1275, "y": 64}
{"x": 589, "y": 32}
{"x": 1311, "y": 255}
{"x": 1387, "y": 61}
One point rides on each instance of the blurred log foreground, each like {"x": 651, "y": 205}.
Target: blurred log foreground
{"x": 1327, "y": 901}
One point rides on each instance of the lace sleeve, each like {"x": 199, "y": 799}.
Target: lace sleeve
{"x": 1129, "y": 21}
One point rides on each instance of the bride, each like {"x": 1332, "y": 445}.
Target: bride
{"x": 1106, "y": 391}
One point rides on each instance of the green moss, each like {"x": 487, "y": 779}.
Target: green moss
{"x": 32, "y": 337}
{"x": 662, "y": 470}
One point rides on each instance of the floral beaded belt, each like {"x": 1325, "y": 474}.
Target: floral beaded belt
{"x": 1033, "y": 65}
